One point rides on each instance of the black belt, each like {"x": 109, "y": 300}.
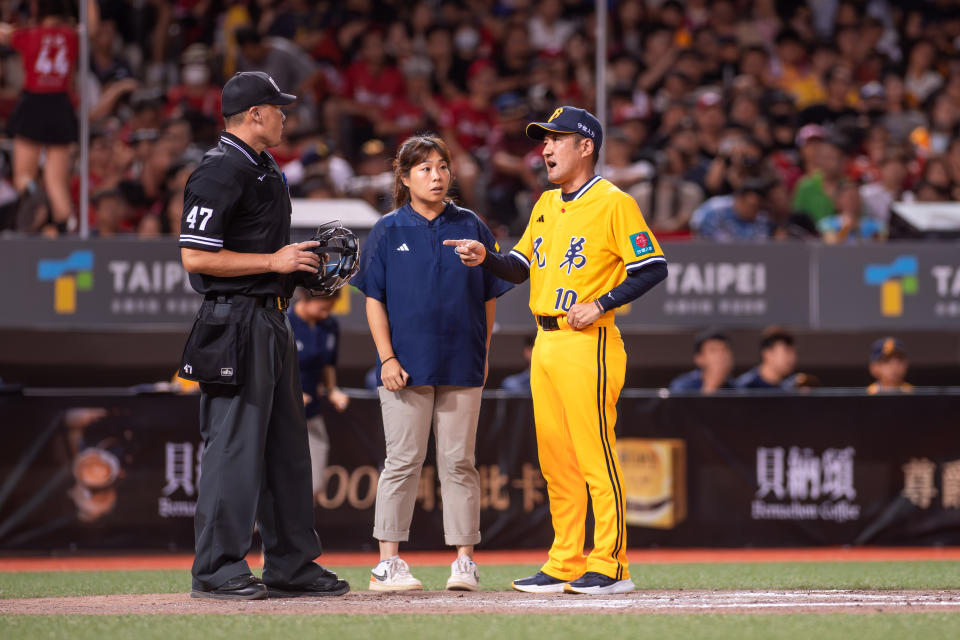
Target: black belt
{"x": 548, "y": 323}
{"x": 268, "y": 302}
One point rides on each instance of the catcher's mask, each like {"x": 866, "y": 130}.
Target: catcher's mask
{"x": 339, "y": 251}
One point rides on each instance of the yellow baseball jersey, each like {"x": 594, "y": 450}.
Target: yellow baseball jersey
{"x": 581, "y": 249}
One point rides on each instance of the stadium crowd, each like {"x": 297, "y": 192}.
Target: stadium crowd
{"x": 728, "y": 120}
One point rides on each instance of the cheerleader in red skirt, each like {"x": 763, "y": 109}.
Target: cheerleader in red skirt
{"x": 44, "y": 119}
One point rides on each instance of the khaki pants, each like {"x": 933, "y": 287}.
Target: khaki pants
{"x": 407, "y": 417}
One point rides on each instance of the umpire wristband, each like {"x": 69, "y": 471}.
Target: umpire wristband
{"x": 600, "y": 307}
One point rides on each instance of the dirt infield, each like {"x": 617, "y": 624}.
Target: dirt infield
{"x": 428, "y": 558}
{"x": 443, "y": 602}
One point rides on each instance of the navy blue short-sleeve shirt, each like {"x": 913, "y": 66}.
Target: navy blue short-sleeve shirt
{"x": 317, "y": 347}
{"x": 435, "y": 304}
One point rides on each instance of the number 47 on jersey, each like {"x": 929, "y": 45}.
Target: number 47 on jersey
{"x": 199, "y": 212}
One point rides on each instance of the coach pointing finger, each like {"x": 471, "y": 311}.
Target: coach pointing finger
{"x": 471, "y": 252}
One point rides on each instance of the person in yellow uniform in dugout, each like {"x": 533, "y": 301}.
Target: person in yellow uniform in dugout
{"x": 586, "y": 250}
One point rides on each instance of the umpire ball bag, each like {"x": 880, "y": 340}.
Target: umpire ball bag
{"x": 216, "y": 349}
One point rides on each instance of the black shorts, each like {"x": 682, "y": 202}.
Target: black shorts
{"x": 46, "y": 118}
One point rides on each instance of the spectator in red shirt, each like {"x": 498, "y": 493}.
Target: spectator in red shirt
{"x": 44, "y": 118}
{"x": 548, "y": 30}
{"x": 511, "y": 174}
{"x": 449, "y": 70}
{"x": 285, "y": 62}
{"x": 104, "y": 171}
{"x": 466, "y": 125}
{"x": 865, "y": 167}
{"x": 144, "y": 186}
{"x": 289, "y": 148}
{"x": 514, "y": 59}
{"x": 371, "y": 84}
{"x": 178, "y": 133}
{"x": 196, "y": 96}
{"x": 176, "y": 182}
{"x": 112, "y": 209}
{"x": 165, "y": 219}
{"x": 415, "y": 112}
{"x": 552, "y": 82}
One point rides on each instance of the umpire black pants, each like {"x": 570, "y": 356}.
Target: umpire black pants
{"x": 256, "y": 467}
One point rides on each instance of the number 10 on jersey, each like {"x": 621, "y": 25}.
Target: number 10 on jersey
{"x": 566, "y": 298}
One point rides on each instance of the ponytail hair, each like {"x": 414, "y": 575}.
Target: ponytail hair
{"x": 412, "y": 152}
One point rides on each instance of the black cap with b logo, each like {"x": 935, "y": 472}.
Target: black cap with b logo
{"x": 568, "y": 120}
{"x": 248, "y": 89}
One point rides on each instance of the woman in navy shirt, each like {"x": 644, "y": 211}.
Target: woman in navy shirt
{"x": 431, "y": 319}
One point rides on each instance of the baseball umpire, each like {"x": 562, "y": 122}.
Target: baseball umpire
{"x": 586, "y": 250}
{"x": 234, "y": 242}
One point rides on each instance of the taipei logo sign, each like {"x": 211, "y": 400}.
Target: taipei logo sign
{"x": 895, "y": 280}
{"x": 69, "y": 275}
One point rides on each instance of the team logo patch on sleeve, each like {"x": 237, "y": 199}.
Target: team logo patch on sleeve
{"x": 641, "y": 243}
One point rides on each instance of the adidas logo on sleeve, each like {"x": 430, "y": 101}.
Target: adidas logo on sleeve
{"x": 403, "y": 247}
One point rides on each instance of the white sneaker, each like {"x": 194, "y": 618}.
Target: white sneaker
{"x": 464, "y": 575}
{"x": 393, "y": 575}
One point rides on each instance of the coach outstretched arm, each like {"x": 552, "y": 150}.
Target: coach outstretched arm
{"x": 505, "y": 267}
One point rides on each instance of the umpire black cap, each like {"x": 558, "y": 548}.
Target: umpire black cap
{"x": 248, "y": 89}
{"x": 568, "y": 120}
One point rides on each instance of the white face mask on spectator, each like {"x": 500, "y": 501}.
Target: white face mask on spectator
{"x": 466, "y": 39}
{"x": 196, "y": 74}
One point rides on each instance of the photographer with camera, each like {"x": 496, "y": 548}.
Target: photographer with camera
{"x": 740, "y": 157}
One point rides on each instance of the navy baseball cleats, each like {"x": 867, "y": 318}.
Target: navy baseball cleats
{"x": 596, "y": 584}
{"x": 539, "y": 583}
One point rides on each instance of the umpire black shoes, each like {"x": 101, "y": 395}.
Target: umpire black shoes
{"x": 245, "y": 587}
{"x": 326, "y": 585}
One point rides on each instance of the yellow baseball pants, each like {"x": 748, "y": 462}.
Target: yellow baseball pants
{"x": 575, "y": 379}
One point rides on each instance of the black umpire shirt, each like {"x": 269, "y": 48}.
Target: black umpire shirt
{"x": 238, "y": 200}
